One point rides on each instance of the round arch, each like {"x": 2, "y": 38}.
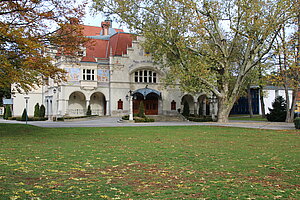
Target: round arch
{"x": 98, "y": 103}
{"x": 151, "y": 103}
{"x": 77, "y": 104}
{"x": 190, "y": 100}
{"x": 203, "y": 105}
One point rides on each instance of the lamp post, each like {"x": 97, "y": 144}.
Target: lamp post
{"x": 213, "y": 100}
{"x": 130, "y": 104}
{"x": 54, "y": 105}
{"x": 26, "y": 101}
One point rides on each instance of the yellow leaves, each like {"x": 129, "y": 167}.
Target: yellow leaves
{"x": 104, "y": 196}
{"x": 52, "y": 170}
{"x": 38, "y": 187}
{"x": 30, "y": 192}
{"x": 20, "y": 183}
{"x": 14, "y": 197}
{"x": 79, "y": 169}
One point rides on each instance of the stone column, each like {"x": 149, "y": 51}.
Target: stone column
{"x": 160, "y": 107}
{"x": 66, "y": 107}
{"x": 107, "y": 108}
{"x": 195, "y": 108}
{"x": 204, "y": 107}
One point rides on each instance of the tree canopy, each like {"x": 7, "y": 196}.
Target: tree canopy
{"x": 206, "y": 45}
{"x": 26, "y": 27}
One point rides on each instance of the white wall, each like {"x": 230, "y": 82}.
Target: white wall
{"x": 270, "y": 95}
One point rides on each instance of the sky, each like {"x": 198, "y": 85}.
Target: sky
{"x": 90, "y": 19}
{"x": 96, "y": 19}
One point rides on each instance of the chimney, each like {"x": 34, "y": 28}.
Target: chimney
{"x": 105, "y": 27}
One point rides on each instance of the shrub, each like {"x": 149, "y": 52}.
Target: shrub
{"x": 186, "y": 109}
{"x": 61, "y": 119}
{"x": 200, "y": 119}
{"x": 37, "y": 110}
{"x": 297, "y": 122}
{"x": 42, "y": 111}
{"x": 89, "y": 111}
{"x": 143, "y": 119}
{"x": 141, "y": 110}
{"x": 29, "y": 118}
{"x": 24, "y": 115}
{"x": 7, "y": 112}
{"x": 126, "y": 117}
{"x": 278, "y": 112}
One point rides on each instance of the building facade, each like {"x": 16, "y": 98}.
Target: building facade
{"x": 107, "y": 70}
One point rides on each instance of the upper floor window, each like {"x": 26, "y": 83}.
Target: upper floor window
{"x": 88, "y": 74}
{"x": 145, "y": 76}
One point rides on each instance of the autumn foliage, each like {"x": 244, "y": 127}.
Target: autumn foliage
{"x": 26, "y": 28}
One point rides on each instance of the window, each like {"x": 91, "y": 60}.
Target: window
{"x": 80, "y": 53}
{"x": 120, "y": 104}
{"x": 88, "y": 74}
{"x": 173, "y": 105}
{"x": 145, "y": 76}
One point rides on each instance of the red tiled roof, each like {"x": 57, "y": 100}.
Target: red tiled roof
{"x": 120, "y": 42}
{"x": 91, "y": 30}
{"x": 95, "y": 30}
{"x": 98, "y": 49}
{"x": 88, "y": 59}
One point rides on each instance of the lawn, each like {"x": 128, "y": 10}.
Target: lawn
{"x": 195, "y": 162}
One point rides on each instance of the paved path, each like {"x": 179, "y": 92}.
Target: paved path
{"x": 113, "y": 122}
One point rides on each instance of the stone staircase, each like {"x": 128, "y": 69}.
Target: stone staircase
{"x": 168, "y": 118}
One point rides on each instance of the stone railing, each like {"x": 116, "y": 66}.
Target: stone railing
{"x": 77, "y": 112}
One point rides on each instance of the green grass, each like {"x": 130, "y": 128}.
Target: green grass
{"x": 148, "y": 163}
{"x": 247, "y": 118}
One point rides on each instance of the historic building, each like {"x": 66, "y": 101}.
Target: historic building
{"x": 103, "y": 75}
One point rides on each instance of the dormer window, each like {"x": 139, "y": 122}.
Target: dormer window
{"x": 80, "y": 53}
{"x": 145, "y": 76}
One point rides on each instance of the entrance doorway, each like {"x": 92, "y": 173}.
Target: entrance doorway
{"x": 150, "y": 103}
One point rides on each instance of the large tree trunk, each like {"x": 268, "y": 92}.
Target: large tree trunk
{"x": 249, "y": 101}
{"x": 293, "y": 106}
{"x": 224, "y": 108}
{"x": 286, "y": 85}
{"x": 287, "y": 99}
{"x": 262, "y": 103}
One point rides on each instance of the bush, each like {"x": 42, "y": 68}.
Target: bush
{"x": 7, "y": 112}
{"x": 89, "y": 111}
{"x": 278, "y": 113}
{"x": 24, "y": 115}
{"x": 186, "y": 109}
{"x": 37, "y": 110}
{"x": 42, "y": 111}
{"x": 297, "y": 122}
{"x": 126, "y": 117}
{"x": 141, "y": 110}
{"x": 60, "y": 119}
{"x": 200, "y": 119}
{"x": 141, "y": 119}
{"x": 29, "y": 118}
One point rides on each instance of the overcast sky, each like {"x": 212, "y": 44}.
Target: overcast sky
{"x": 96, "y": 19}
{"x": 90, "y": 19}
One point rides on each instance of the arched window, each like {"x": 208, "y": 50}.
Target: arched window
{"x": 145, "y": 76}
{"x": 120, "y": 104}
{"x": 173, "y": 105}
